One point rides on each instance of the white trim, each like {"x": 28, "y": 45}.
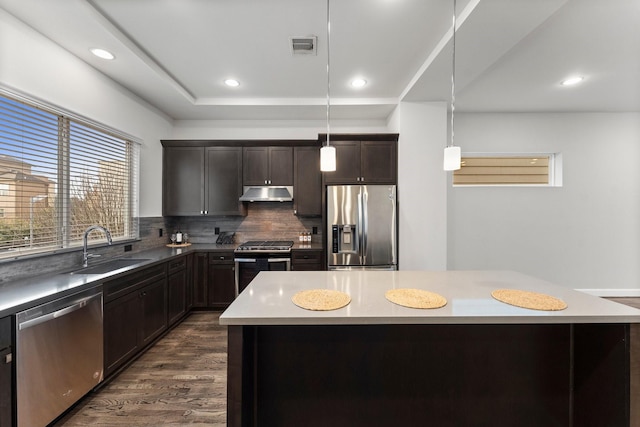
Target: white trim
{"x": 620, "y": 293}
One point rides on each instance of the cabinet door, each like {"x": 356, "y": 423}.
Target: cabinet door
{"x": 281, "y": 166}
{"x": 255, "y": 165}
{"x": 223, "y": 186}
{"x": 307, "y": 260}
{"x": 222, "y": 288}
{"x": 222, "y": 279}
{"x": 183, "y": 181}
{"x": 189, "y": 278}
{"x": 347, "y": 163}
{"x": 154, "y": 311}
{"x": 200, "y": 273}
{"x": 378, "y": 162}
{"x": 177, "y": 296}
{"x": 121, "y": 317}
{"x": 307, "y": 184}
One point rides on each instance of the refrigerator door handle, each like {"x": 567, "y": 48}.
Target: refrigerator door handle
{"x": 364, "y": 225}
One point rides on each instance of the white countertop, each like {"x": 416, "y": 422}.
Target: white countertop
{"x": 267, "y": 300}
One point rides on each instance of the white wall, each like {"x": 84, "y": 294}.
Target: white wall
{"x": 584, "y": 235}
{"x": 422, "y": 190}
{"x": 34, "y": 66}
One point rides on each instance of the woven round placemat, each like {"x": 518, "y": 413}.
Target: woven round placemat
{"x": 527, "y": 299}
{"x": 415, "y": 298}
{"x": 321, "y": 299}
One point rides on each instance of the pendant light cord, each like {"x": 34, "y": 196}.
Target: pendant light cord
{"x": 453, "y": 74}
{"x": 328, "y": 69}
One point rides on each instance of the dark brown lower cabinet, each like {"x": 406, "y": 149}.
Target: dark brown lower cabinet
{"x": 177, "y": 285}
{"x": 200, "y": 279}
{"x": 307, "y": 260}
{"x": 6, "y": 373}
{"x": 135, "y": 313}
{"x": 221, "y": 287}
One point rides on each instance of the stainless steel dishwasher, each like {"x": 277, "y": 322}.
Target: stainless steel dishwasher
{"x": 59, "y": 356}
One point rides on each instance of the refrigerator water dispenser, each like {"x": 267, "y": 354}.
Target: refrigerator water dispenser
{"x": 344, "y": 238}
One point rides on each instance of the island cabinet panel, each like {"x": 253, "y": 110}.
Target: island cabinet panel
{"x": 268, "y": 165}
{"x": 135, "y": 313}
{"x": 307, "y": 182}
{"x": 202, "y": 181}
{"x": 221, "y": 287}
{"x": 364, "y": 162}
{"x": 6, "y": 373}
{"x": 532, "y": 375}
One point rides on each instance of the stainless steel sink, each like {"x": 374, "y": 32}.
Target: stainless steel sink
{"x": 109, "y": 266}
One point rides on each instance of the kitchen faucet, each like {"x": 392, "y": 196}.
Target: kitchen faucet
{"x": 86, "y": 255}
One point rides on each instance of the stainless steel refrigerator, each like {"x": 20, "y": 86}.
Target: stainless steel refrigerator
{"x": 362, "y": 227}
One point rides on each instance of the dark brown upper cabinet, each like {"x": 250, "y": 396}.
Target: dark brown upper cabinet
{"x": 373, "y": 160}
{"x": 307, "y": 181}
{"x": 268, "y": 166}
{"x": 202, "y": 181}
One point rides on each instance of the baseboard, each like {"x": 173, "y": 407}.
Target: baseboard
{"x": 614, "y": 293}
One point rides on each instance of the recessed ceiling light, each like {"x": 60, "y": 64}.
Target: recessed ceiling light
{"x": 232, "y": 83}
{"x": 358, "y": 83}
{"x": 101, "y": 53}
{"x": 572, "y": 81}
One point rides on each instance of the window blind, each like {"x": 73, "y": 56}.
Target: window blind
{"x": 58, "y": 176}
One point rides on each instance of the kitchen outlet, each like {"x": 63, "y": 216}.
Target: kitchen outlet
{"x": 127, "y": 248}
{"x": 216, "y": 230}
{"x": 160, "y": 232}
{"x": 314, "y": 230}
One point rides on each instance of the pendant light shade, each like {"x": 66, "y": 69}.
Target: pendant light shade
{"x": 452, "y": 154}
{"x": 328, "y": 158}
{"x": 327, "y": 152}
{"x": 452, "y": 157}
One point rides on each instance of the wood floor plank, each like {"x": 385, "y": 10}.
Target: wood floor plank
{"x": 181, "y": 380}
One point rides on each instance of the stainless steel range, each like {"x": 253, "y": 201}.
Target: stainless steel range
{"x": 255, "y": 256}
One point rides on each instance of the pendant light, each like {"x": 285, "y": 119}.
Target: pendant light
{"x": 452, "y": 154}
{"x": 327, "y": 152}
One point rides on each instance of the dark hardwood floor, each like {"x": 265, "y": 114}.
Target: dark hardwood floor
{"x": 181, "y": 380}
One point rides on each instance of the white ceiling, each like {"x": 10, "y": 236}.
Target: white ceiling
{"x": 510, "y": 54}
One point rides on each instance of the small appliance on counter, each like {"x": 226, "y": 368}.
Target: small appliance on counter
{"x": 362, "y": 227}
{"x": 226, "y": 238}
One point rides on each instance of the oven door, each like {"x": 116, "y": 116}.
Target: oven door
{"x": 248, "y": 267}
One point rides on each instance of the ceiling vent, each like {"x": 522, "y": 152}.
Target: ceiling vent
{"x": 303, "y": 45}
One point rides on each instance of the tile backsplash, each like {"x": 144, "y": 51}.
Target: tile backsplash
{"x": 264, "y": 221}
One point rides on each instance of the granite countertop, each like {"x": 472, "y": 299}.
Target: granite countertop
{"x": 267, "y": 300}
{"x": 21, "y": 294}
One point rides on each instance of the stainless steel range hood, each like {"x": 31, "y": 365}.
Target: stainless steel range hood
{"x": 267, "y": 193}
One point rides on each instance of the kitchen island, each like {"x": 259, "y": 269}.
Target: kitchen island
{"x": 475, "y": 361}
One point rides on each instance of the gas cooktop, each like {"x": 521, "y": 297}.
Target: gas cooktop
{"x": 266, "y": 245}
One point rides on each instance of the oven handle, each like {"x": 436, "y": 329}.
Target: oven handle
{"x": 268, "y": 259}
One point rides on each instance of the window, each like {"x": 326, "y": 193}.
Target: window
{"x": 508, "y": 169}
{"x": 60, "y": 174}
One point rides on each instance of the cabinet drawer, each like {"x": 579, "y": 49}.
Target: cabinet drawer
{"x": 176, "y": 265}
{"x": 118, "y": 287}
{"x": 221, "y": 258}
{"x": 306, "y": 257}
